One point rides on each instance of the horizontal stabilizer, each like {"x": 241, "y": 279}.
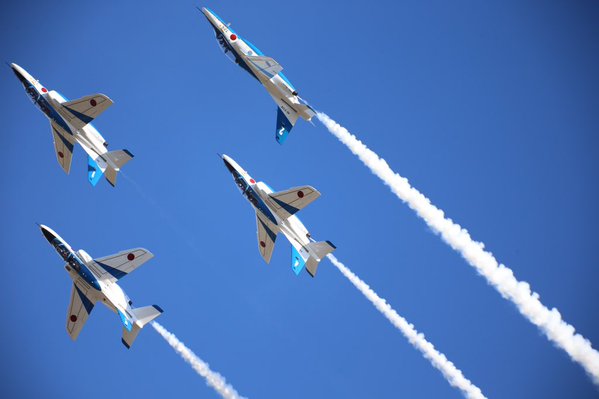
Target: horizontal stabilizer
{"x": 115, "y": 160}
{"x": 118, "y": 158}
{"x": 82, "y": 111}
{"x": 142, "y": 317}
{"x": 130, "y": 336}
{"x": 317, "y": 251}
{"x": 289, "y": 202}
{"x": 146, "y": 314}
{"x": 305, "y": 111}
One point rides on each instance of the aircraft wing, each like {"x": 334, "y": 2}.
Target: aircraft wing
{"x": 266, "y": 65}
{"x": 82, "y": 111}
{"x": 119, "y": 265}
{"x": 79, "y": 309}
{"x": 267, "y": 234}
{"x": 63, "y": 145}
{"x": 289, "y": 202}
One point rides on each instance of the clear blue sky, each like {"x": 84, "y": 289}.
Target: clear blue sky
{"x": 491, "y": 110}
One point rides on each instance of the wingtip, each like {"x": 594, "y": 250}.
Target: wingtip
{"x": 158, "y": 308}
{"x": 129, "y": 153}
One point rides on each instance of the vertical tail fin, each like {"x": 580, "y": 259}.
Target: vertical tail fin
{"x": 284, "y": 124}
{"x": 94, "y": 171}
{"x": 142, "y": 317}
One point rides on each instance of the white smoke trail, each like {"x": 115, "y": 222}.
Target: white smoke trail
{"x": 452, "y": 374}
{"x": 213, "y": 379}
{"x": 499, "y": 276}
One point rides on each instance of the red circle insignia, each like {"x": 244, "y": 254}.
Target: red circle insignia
{"x": 131, "y": 256}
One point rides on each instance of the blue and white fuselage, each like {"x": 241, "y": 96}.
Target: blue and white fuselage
{"x": 71, "y": 123}
{"x": 267, "y": 71}
{"x": 275, "y": 213}
{"x": 94, "y": 280}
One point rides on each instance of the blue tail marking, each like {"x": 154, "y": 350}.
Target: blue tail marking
{"x": 283, "y": 127}
{"x": 297, "y": 262}
{"x": 126, "y": 321}
{"x": 94, "y": 173}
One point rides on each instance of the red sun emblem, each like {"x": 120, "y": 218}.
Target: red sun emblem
{"x": 300, "y": 194}
{"x": 131, "y": 256}
{"x": 252, "y": 181}
{"x": 262, "y": 244}
{"x": 44, "y": 90}
{"x": 60, "y": 154}
{"x": 233, "y": 36}
{"x": 73, "y": 318}
{"x": 93, "y": 102}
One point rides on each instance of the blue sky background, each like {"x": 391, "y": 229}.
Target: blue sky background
{"x": 489, "y": 109}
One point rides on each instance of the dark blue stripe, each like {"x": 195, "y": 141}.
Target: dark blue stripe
{"x": 85, "y": 300}
{"x": 66, "y": 143}
{"x": 158, "y": 308}
{"x": 270, "y": 233}
{"x": 86, "y": 119}
{"x": 292, "y": 210}
{"x": 116, "y": 273}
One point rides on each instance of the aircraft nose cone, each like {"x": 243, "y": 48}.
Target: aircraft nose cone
{"x": 17, "y": 71}
{"x": 48, "y": 233}
{"x": 228, "y": 164}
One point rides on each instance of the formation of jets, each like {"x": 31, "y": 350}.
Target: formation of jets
{"x": 95, "y": 280}
{"x": 71, "y": 123}
{"x": 275, "y": 213}
{"x": 267, "y": 71}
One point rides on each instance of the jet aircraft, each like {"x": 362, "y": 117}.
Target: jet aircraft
{"x": 275, "y": 213}
{"x": 267, "y": 71}
{"x": 71, "y": 123}
{"x": 95, "y": 280}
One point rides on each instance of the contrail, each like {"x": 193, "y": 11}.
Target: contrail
{"x": 452, "y": 374}
{"x": 501, "y": 277}
{"x": 213, "y": 379}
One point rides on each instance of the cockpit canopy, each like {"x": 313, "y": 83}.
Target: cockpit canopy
{"x": 240, "y": 181}
{"x": 32, "y": 92}
{"x": 225, "y": 46}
